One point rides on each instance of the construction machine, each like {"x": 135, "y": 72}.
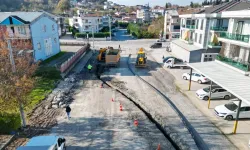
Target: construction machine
{"x": 102, "y": 54}
{"x": 141, "y": 59}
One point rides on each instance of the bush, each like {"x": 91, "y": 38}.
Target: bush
{"x": 105, "y": 29}
{"x": 97, "y": 35}
{"x": 9, "y": 122}
{"x": 73, "y": 30}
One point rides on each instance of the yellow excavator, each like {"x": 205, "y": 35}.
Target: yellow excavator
{"x": 141, "y": 59}
{"x": 102, "y": 54}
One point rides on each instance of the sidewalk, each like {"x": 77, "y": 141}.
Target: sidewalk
{"x": 241, "y": 139}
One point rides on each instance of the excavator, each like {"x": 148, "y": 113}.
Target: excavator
{"x": 141, "y": 59}
{"x": 102, "y": 54}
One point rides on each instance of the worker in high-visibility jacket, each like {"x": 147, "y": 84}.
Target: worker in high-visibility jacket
{"x": 89, "y": 68}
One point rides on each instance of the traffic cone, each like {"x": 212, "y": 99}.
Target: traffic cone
{"x": 136, "y": 122}
{"x": 112, "y": 100}
{"x": 101, "y": 86}
{"x": 159, "y": 147}
{"x": 120, "y": 107}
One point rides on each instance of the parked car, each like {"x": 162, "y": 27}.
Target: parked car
{"x": 197, "y": 77}
{"x": 229, "y": 111}
{"x": 216, "y": 92}
{"x": 161, "y": 40}
{"x": 50, "y": 142}
{"x": 156, "y": 45}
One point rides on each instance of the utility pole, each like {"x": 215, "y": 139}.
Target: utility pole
{"x": 12, "y": 61}
{"x": 93, "y": 38}
{"x": 110, "y": 27}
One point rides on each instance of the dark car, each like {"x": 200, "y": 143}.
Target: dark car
{"x": 156, "y": 45}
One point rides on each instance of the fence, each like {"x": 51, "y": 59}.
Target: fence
{"x": 67, "y": 64}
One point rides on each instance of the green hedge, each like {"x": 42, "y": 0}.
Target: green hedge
{"x": 73, "y": 30}
{"x": 97, "y": 35}
{"x": 9, "y": 122}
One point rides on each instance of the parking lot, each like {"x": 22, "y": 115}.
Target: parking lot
{"x": 241, "y": 138}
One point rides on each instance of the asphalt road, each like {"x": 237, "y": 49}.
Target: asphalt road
{"x": 122, "y": 35}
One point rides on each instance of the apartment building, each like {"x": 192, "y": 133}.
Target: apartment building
{"x": 199, "y": 33}
{"x": 31, "y": 32}
{"x": 87, "y": 23}
{"x": 143, "y": 14}
{"x": 171, "y": 24}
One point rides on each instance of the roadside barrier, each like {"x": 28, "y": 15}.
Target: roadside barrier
{"x": 68, "y": 63}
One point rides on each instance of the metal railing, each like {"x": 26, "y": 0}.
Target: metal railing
{"x": 231, "y": 62}
{"x": 233, "y": 36}
{"x": 67, "y": 64}
{"x": 214, "y": 44}
{"x": 218, "y": 28}
{"x": 190, "y": 26}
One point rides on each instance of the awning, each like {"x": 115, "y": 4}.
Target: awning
{"x": 233, "y": 81}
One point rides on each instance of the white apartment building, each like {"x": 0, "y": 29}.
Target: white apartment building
{"x": 87, "y": 23}
{"x": 171, "y": 25}
{"x": 158, "y": 10}
{"x": 143, "y": 14}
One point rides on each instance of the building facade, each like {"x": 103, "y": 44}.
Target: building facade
{"x": 143, "y": 14}
{"x": 171, "y": 25}
{"x": 87, "y": 23}
{"x": 37, "y": 31}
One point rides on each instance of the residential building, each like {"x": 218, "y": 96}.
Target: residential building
{"x": 197, "y": 41}
{"x": 32, "y": 32}
{"x": 171, "y": 25}
{"x": 158, "y": 10}
{"x": 143, "y": 14}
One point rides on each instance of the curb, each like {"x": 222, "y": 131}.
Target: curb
{"x": 8, "y": 142}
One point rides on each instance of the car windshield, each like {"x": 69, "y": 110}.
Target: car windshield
{"x": 206, "y": 89}
{"x": 202, "y": 75}
{"x": 231, "y": 106}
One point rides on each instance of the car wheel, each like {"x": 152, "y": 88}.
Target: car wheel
{"x": 227, "y": 97}
{"x": 184, "y": 77}
{"x": 229, "y": 117}
{"x": 199, "y": 81}
{"x": 206, "y": 98}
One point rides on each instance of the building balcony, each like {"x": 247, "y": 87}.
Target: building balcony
{"x": 236, "y": 37}
{"x": 239, "y": 65}
{"x": 219, "y": 29}
{"x": 190, "y": 26}
{"x": 214, "y": 45}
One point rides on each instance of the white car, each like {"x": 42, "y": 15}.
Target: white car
{"x": 216, "y": 92}
{"x": 229, "y": 111}
{"x": 197, "y": 77}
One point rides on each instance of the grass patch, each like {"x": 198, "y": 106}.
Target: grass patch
{"x": 46, "y": 79}
{"x": 61, "y": 53}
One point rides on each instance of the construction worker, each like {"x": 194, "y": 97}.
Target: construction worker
{"x": 89, "y": 68}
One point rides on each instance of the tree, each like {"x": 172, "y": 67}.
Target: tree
{"x": 166, "y": 5}
{"x": 191, "y": 4}
{"x": 16, "y": 76}
{"x": 63, "y": 6}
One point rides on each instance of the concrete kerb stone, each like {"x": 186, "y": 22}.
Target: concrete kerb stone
{"x": 168, "y": 130}
{"x": 11, "y": 139}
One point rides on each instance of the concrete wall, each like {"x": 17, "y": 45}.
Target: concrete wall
{"x": 45, "y": 42}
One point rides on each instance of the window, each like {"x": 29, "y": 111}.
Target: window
{"x": 200, "y": 38}
{"x": 202, "y": 24}
{"x": 247, "y": 109}
{"x": 53, "y": 27}
{"x": 222, "y": 90}
{"x": 196, "y": 37}
{"x": 21, "y": 30}
{"x": 38, "y": 46}
{"x": 242, "y": 108}
{"x": 44, "y": 28}
{"x": 197, "y": 75}
{"x": 197, "y": 24}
